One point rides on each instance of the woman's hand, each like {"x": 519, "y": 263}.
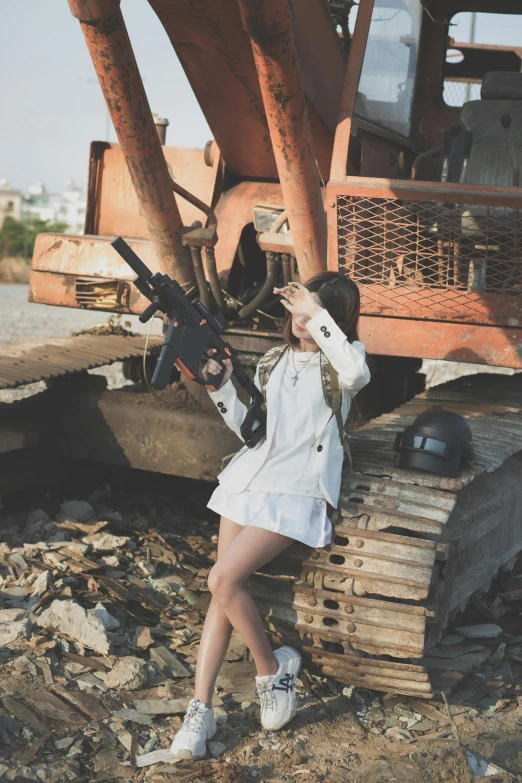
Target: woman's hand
{"x": 214, "y": 368}
{"x": 298, "y": 300}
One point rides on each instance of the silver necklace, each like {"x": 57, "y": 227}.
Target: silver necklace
{"x": 295, "y": 378}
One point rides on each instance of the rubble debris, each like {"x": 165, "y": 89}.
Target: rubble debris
{"x": 161, "y": 706}
{"x": 128, "y": 674}
{"x": 217, "y": 748}
{"x": 462, "y": 663}
{"x": 59, "y": 771}
{"x": 451, "y": 638}
{"x": 71, "y": 619}
{"x": 24, "y": 715}
{"x": 115, "y": 705}
{"x": 105, "y": 542}
{"x": 53, "y": 707}
{"x": 143, "y": 637}
{"x": 64, "y": 743}
{"x": 109, "y": 622}
{"x": 14, "y": 625}
{"x": 134, "y": 715}
{"x": 79, "y": 510}
{"x": 168, "y": 663}
{"x": 480, "y": 767}
{"x": 486, "y": 631}
{"x": 156, "y": 757}
{"x": 86, "y": 702}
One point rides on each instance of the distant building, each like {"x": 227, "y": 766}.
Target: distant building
{"x": 67, "y": 207}
{"x": 10, "y": 202}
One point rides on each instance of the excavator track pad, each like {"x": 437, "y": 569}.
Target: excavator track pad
{"x": 409, "y": 548}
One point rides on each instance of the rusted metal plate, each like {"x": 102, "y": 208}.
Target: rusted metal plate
{"x": 494, "y": 346}
{"x": 216, "y": 55}
{"x": 115, "y": 211}
{"x": 42, "y": 359}
{"x": 59, "y": 259}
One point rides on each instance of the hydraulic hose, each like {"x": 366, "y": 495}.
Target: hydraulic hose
{"x": 272, "y": 272}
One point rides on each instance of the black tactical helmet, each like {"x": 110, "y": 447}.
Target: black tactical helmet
{"x": 438, "y": 441}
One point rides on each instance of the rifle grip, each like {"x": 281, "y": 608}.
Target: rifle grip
{"x": 213, "y": 382}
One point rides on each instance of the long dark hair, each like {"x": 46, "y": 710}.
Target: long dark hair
{"x": 339, "y": 295}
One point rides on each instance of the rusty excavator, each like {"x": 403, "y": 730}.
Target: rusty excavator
{"x": 334, "y": 147}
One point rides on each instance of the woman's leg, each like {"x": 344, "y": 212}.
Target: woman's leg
{"x": 217, "y": 628}
{"x": 250, "y": 550}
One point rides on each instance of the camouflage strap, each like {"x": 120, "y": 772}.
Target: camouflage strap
{"x": 267, "y": 364}
{"x": 337, "y": 412}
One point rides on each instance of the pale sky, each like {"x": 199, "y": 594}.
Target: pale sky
{"x": 50, "y": 114}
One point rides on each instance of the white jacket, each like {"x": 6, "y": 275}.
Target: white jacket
{"x": 349, "y": 359}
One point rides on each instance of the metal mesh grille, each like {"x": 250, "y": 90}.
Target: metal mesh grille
{"x": 428, "y": 260}
{"x": 458, "y": 93}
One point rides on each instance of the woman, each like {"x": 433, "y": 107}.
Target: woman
{"x": 277, "y": 492}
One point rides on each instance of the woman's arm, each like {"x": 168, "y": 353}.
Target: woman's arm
{"x": 349, "y": 359}
{"x": 230, "y": 406}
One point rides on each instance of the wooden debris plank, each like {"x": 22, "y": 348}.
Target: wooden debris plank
{"x": 86, "y": 702}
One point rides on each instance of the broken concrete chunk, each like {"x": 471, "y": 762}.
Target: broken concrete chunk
{"x": 397, "y": 735}
{"x": 161, "y": 706}
{"x": 38, "y": 516}
{"x": 486, "y": 631}
{"x": 107, "y": 620}
{"x": 90, "y": 682}
{"x": 216, "y": 748}
{"x": 128, "y": 674}
{"x": 12, "y": 615}
{"x": 40, "y": 586}
{"x": 143, "y": 638}
{"x": 462, "y": 663}
{"x": 78, "y": 510}
{"x": 60, "y": 771}
{"x": 63, "y": 744}
{"x": 71, "y": 619}
{"x": 451, "y": 638}
{"x": 105, "y": 542}
{"x": 168, "y": 663}
{"x": 137, "y": 717}
{"x": 14, "y": 625}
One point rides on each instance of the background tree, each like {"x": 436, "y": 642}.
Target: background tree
{"x": 17, "y": 236}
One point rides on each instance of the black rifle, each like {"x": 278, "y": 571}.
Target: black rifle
{"x": 192, "y": 330}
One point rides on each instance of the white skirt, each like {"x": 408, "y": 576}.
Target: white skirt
{"x": 296, "y": 516}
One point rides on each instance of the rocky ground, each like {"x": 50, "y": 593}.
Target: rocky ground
{"x": 102, "y": 598}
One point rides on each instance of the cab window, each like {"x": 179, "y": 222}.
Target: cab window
{"x": 387, "y": 82}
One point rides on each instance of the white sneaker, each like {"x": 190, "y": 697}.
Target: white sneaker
{"x": 198, "y": 727}
{"x": 276, "y": 691}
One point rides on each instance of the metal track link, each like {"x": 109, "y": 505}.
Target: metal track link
{"x": 42, "y": 359}
{"x": 408, "y": 547}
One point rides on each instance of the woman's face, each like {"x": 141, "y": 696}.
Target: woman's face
{"x": 299, "y": 322}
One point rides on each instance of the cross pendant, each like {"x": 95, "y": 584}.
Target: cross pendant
{"x": 295, "y": 379}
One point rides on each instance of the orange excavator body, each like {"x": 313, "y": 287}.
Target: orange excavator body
{"x": 288, "y": 112}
